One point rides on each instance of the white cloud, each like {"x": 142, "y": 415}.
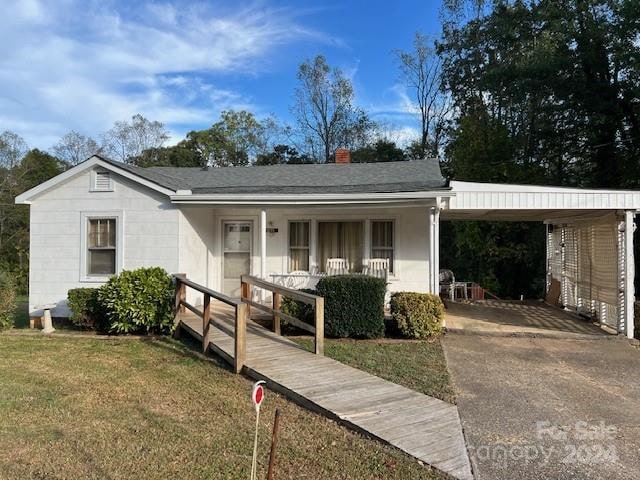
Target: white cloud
{"x": 81, "y": 65}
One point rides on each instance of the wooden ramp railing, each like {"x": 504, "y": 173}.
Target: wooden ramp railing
{"x": 277, "y": 292}
{"x": 241, "y": 315}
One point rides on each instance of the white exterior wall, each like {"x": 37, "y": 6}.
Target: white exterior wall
{"x": 188, "y": 239}
{"x": 150, "y": 234}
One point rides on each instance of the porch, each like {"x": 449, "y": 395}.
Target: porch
{"x": 295, "y": 247}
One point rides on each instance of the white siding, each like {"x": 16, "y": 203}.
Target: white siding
{"x": 150, "y": 226}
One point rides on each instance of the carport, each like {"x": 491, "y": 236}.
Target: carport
{"x": 589, "y": 255}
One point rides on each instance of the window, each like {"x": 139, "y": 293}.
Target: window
{"x": 101, "y": 246}
{"x": 341, "y": 240}
{"x": 298, "y": 246}
{"x": 382, "y": 240}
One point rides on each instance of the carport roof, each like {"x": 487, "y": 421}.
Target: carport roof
{"x": 494, "y": 201}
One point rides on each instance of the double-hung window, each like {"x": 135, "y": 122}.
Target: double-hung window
{"x": 382, "y": 241}
{"x": 101, "y": 246}
{"x": 299, "y": 246}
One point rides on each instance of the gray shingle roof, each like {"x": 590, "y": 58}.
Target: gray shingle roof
{"x": 383, "y": 177}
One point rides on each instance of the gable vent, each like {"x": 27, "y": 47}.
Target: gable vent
{"x": 102, "y": 181}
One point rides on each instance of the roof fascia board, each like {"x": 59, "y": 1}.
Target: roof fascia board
{"x": 306, "y": 199}
{"x": 480, "y": 187}
{"x": 26, "y": 197}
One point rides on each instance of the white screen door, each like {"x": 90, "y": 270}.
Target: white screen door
{"x": 236, "y": 248}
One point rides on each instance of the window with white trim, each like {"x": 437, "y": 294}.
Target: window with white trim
{"x": 101, "y": 246}
{"x": 299, "y": 246}
{"x": 382, "y": 240}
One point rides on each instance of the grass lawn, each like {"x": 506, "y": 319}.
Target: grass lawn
{"x": 419, "y": 365}
{"x": 119, "y": 409}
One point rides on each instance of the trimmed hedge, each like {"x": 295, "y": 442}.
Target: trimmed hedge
{"x": 7, "y": 300}
{"x": 139, "y": 301}
{"x": 417, "y": 315}
{"x": 353, "y": 305}
{"x": 86, "y": 311}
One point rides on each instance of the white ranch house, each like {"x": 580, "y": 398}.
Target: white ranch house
{"x": 292, "y": 223}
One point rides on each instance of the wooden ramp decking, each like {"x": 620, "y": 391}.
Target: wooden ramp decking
{"x": 422, "y": 426}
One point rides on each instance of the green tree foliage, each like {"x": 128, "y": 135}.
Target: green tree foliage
{"x": 380, "y": 151}
{"x": 20, "y": 171}
{"x": 236, "y": 139}
{"x": 282, "y": 154}
{"x": 175, "y": 156}
{"x": 544, "y": 92}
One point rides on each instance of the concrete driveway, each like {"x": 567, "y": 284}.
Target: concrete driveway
{"x": 548, "y": 408}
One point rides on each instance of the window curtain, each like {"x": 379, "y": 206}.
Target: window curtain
{"x": 299, "y": 246}
{"x": 341, "y": 240}
{"x": 382, "y": 241}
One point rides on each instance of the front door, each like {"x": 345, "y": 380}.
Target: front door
{"x": 236, "y": 255}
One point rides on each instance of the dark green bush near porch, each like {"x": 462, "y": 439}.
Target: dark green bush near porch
{"x": 353, "y": 305}
{"x": 416, "y": 315}
{"x": 139, "y": 301}
{"x": 7, "y": 300}
{"x": 86, "y": 311}
{"x": 300, "y": 310}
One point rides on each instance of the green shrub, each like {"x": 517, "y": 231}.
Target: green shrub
{"x": 7, "y": 300}
{"x": 86, "y": 311}
{"x": 139, "y": 301}
{"x": 417, "y": 315}
{"x": 353, "y": 305}
{"x": 300, "y": 310}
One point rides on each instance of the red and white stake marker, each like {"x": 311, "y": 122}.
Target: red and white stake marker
{"x": 257, "y": 396}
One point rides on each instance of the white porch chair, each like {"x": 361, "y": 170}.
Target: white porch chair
{"x": 378, "y": 267}
{"x": 337, "y": 266}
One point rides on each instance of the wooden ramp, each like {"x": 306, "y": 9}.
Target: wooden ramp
{"x": 422, "y": 426}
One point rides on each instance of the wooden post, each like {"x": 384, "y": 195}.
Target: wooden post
{"x": 245, "y": 291}
{"x": 319, "y": 326}
{"x": 206, "y": 315}
{"x": 274, "y": 444}
{"x": 277, "y": 302}
{"x": 240, "y": 347}
{"x": 178, "y": 307}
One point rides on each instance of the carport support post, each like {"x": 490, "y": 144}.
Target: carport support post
{"x": 629, "y": 272}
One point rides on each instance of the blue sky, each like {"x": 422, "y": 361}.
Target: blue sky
{"x": 81, "y": 65}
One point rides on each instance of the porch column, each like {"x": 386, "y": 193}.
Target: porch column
{"x": 263, "y": 249}
{"x": 629, "y": 273}
{"x": 434, "y": 250}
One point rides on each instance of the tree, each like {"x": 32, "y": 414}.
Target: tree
{"x": 381, "y": 151}
{"x": 125, "y": 141}
{"x": 74, "y": 148}
{"x": 324, "y": 110}
{"x": 175, "y": 156}
{"x": 281, "y": 154}
{"x": 30, "y": 169}
{"x": 236, "y": 139}
{"x": 422, "y": 74}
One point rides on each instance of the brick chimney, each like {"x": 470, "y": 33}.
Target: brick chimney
{"x": 343, "y": 155}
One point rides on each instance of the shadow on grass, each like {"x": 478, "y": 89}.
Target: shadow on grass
{"x": 21, "y": 315}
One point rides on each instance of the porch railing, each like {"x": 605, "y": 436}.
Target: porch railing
{"x": 277, "y": 292}
{"x": 241, "y": 311}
